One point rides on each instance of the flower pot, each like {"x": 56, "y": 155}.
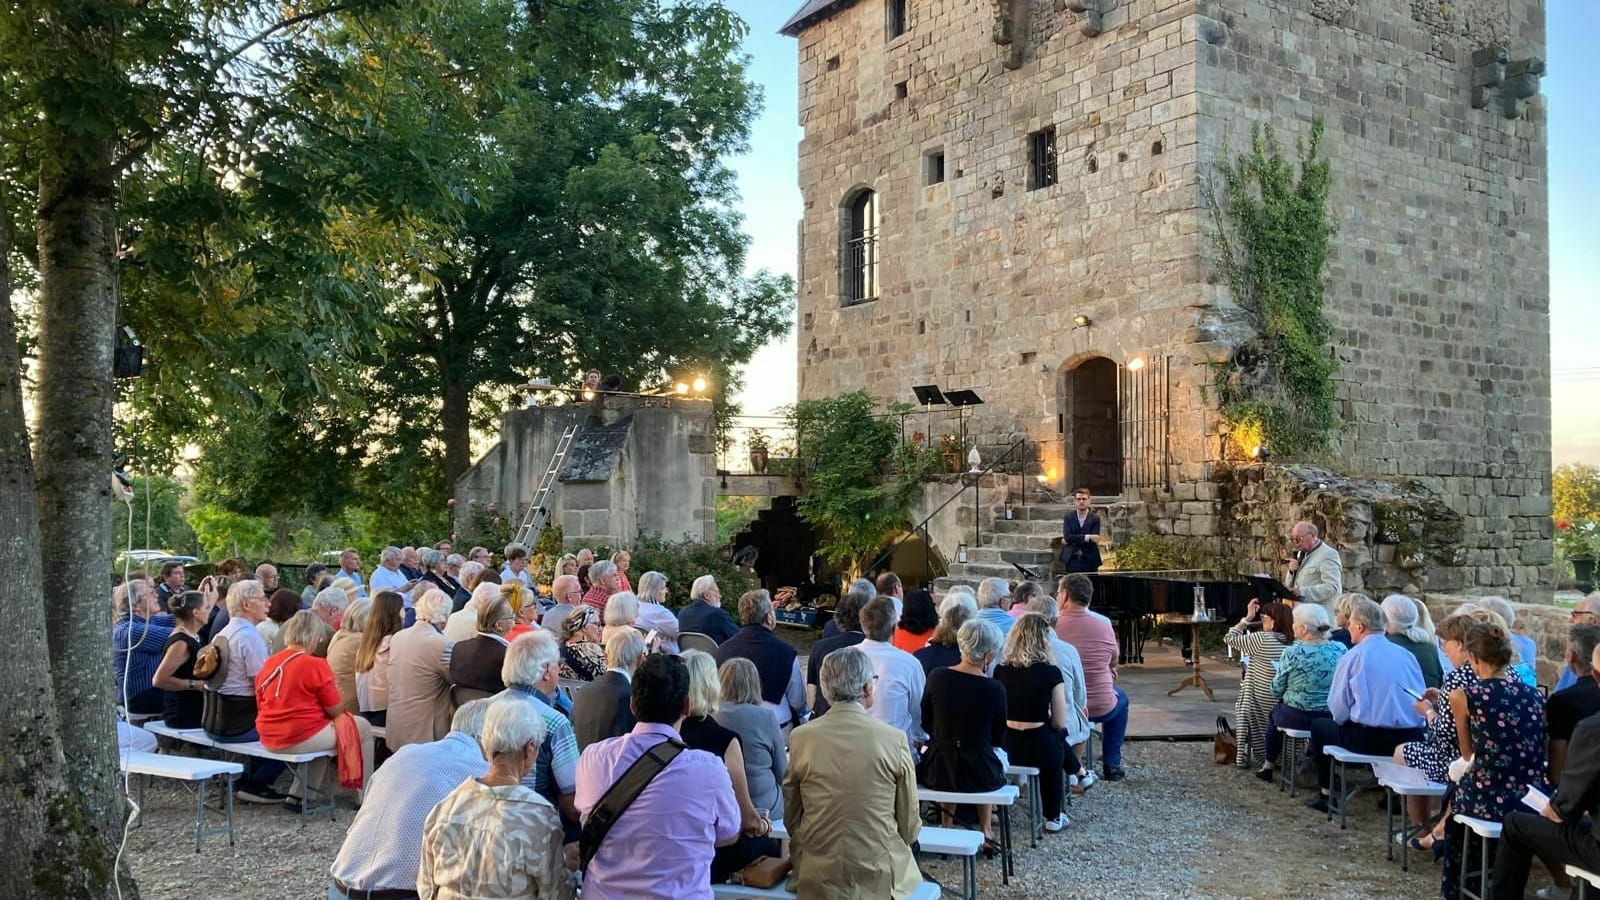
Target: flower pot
{"x": 758, "y": 461}
{"x": 1583, "y": 571}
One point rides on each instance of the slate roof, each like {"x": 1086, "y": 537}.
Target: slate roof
{"x": 812, "y": 11}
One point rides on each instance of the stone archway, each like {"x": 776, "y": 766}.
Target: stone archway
{"x": 1090, "y": 439}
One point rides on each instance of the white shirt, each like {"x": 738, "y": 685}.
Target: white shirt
{"x": 655, "y": 617}
{"x": 386, "y": 579}
{"x": 506, "y": 575}
{"x": 1071, "y": 666}
{"x": 897, "y": 697}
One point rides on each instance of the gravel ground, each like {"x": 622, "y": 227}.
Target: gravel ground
{"x": 1179, "y": 827}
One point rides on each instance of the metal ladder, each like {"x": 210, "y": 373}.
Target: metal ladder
{"x": 538, "y": 515}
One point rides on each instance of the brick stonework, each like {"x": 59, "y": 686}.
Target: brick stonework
{"x": 1436, "y": 286}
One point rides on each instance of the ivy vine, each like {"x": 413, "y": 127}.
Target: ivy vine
{"x": 1272, "y": 239}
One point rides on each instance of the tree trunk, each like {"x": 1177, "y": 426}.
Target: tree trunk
{"x": 78, "y": 309}
{"x": 456, "y": 418}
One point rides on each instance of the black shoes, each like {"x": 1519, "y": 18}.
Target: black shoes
{"x": 1113, "y": 773}
{"x": 1265, "y": 775}
{"x": 1322, "y": 803}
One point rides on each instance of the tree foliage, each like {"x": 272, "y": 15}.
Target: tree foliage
{"x": 1575, "y": 493}
{"x": 157, "y": 517}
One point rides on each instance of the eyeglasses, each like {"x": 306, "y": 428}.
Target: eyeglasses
{"x": 1581, "y": 614}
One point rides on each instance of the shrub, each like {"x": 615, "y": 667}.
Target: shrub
{"x": 682, "y": 562}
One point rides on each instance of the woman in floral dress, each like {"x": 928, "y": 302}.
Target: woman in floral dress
{"x": 1500, "y": 725}
{"x": 1439, "y": 745}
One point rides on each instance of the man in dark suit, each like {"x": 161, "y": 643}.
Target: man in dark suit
{"x": 602, "y": 708}
{"x": 1559, "y": 835}
{"x": 705, "y": 614}
{"x": 1080, "y": 535}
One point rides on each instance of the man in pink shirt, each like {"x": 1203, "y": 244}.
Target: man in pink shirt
{"x": 1096, "y": 642}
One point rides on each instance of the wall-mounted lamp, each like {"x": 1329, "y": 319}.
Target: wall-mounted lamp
{"x": 1261, "y": 453}
{"x": 1135, "y": 364}
{"x": 1081, "y": 321}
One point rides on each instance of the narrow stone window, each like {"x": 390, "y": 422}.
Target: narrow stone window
{"x": 894, "y": 18}
{"x": 902, "y": 89}
{"x": 1155, "y": 149}
{"x": 1042, "y": 158}
{"x": 833, "y": 63}
{"x": 858, "y": 249}
{"x": 933, "y": 167}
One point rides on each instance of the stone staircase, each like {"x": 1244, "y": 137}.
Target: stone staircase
{"x": 1023, "y": 539}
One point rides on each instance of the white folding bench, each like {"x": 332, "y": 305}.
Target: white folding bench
{"x": 924, "y": 891}
{"x": 135, "y": 718}
{"x": 1586, "y": 880}
{"x": 1295, "y": 740}
{"x": 961, "y": 842}
{"x": 1029, "y": 775}
{"x": 1002, "y": 798}
{"x": 301, "y": 761}
{"x": 1343, "y": 758}
{"x": 1486, "y": 832}
{"x": 1402, "y": 781}
{"x": 188, "y": 768}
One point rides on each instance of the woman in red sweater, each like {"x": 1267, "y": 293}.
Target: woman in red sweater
{"x": 297, "y": 703}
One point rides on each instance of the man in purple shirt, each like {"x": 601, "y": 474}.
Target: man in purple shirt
{"x": 662, "y": 845}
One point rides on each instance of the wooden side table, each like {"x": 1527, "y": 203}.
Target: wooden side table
{"x": 1196, "y": 678}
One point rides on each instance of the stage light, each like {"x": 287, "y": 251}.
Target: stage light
{"x": 1135, "y": 364}
{"x": 1261, "y": 453}
{"x": 681, "y": 387}
{"x": 699, "y": 384}
{"x": 588, "y": 395}
{"x": 1081, "y": 321}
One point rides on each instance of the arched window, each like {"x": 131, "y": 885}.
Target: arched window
{"x": 858, "y": 249}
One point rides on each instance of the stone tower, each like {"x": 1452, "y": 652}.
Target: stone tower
{"x": 1009, "y": 196}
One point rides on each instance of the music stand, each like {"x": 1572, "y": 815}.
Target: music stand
{"x": 1268, "y": 588}
{"x": 961, "y": 400}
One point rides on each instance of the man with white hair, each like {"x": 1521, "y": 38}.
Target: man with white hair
{"x": 1586, "y": 612}
{"x": 531, "y": 668}
{"x": 410, "y": 563}
{"x": 383, "y": 846}
{"x": 783, "y": 687}
{"x": 1571, "y": 705}
{"x": 329, "y": 605}
{"x": 705, "y": 614}
{"x": 568, "y": 594}
{"x": 267, "y": 574}
{"x": 388, "y": 577}
{"x": 601, "y": 710}
{"x": 603, "y": 582}
{"x": 1401, "y": 627}
{"x": 1316, "y": 573}
{"x": 992, "y": 594}
{"x": 1370, "y": 698}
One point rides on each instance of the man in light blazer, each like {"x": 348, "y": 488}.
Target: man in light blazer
{"x": 601, "y": 708}
{"x": 850, "y": 794}
{"x": 1316, "y": 575}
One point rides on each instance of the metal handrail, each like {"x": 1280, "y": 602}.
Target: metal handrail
{"x": 922, "y": 527}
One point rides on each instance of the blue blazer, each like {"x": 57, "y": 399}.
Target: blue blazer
{"x": 1078, "y": 553}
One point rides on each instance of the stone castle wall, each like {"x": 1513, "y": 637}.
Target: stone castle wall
{"x": 1436, "y": 286}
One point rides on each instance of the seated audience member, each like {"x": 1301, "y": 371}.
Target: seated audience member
{"x": 463, "y": 623}
{"x": 1402, "y": 626}
{"x": 567, "y": 565}
{"x": 1021, "y": 596}
{"x": 663, "y": 847}
{"x": 1261, "y": 649}
{"x": 964, "y": 711}
{"x": 1580, "y": 700}
{"x": 1439, "y": 745}
{"x": 435, "y": 573}
{"x": 1371, "y": 711}
{"x": 653, "y": 613}
{"x": 516, "y": 568}
{"x": 943, "y": 648}
{"x": 1305, "y": 672}
{"x": 704, "y": 614}
{"x": 267, "y": 574}
{"x": 583, "y": 657}
{"x": 850, "y": 793}
{"x": 330, "y": 606}
{"x": 1586, "y": 612}
{"x": 602, "y": 710}
{"x": 530, "y": 672}
{"x": 1092, "y": 636}
{"x": 917, "y": 622}
{"x": 994, "y": 596}
{"x": 384, "y": 620}
{"x": 471, "y": 576}
{"x": 847, "y": 613}
{"x": 475, "y": 664}
{"x": 1071, "y": 665}
{"x": 1500, "y": 727}
{"x": 623, "y": 559}
{"x": 234, "y": 721}
{"x": 701, "y": 731}
{"x": 387, "y": 575}
{"x": 782, "y": 686}
{"x": 183, "y": 698}
{"x": 383, "y": 847}
{"x": 281, "y": 604}
{"x": 419, "y": 677}
{"x": 1563, "y": 835}
{"x": 621, "y": 613}
{"x": 1425, "y": 623}
{"x": 524, "y": 605}
{"x": 863, "y": 589}
{"x": 1525, "y": 662}
{"x": 139, "y": 640}
{"x": 133, "y": 739}
{"x": 342, "y": 649}
{"x": 602, "y": 584}
{"x": 1341, "y": 619}
{"x": 766, "y": 754}
{"x": 492, "y": 836}
{"x": 1036, "y": 712}
{"x": 313, "y": 575}
{"x": 889, "y": 585}
{"x": 298, "y": 709}
{"x": 568, "y": 595}
{"x": 897, "y": 700}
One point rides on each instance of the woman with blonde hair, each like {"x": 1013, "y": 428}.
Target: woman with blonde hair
{"x": 524, "y": 605}
{"x": 653, "y": 612}
{"x": 702, "y": 732}
{"x": 1036, "y": 711}
{"x": 623, "y": 559}
{"x": 567, "y": 565}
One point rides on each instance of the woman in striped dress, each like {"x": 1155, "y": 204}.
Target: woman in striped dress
{"x": 1260, "y": 650}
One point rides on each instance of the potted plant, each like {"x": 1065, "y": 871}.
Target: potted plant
{"x": 757, "y": 442}
{"x": 1579, "y": 543}
{"x": 951, "y": 451}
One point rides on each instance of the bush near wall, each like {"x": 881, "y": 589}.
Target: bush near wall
{"x": 684, "y": 561}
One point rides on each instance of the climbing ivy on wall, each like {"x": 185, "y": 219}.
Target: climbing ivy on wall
{"x": 1272, "y": 238}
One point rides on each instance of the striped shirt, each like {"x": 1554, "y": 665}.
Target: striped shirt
{"x": 147, "y": 641}
{"x": 556, "y": 770}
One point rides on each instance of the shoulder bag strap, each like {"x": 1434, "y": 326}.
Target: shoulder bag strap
{"x": 622, "y": 794}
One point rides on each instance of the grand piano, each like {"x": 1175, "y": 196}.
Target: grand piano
{"x": 1133, "y": 600}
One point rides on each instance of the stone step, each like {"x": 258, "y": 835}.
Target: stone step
{"x": 1013, "y": 541}
{"x": 1050, "y": 527}
{"x": 941, "y": 585}
{"x": 980, "y": 570}
{"x": 999, "y": 553}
